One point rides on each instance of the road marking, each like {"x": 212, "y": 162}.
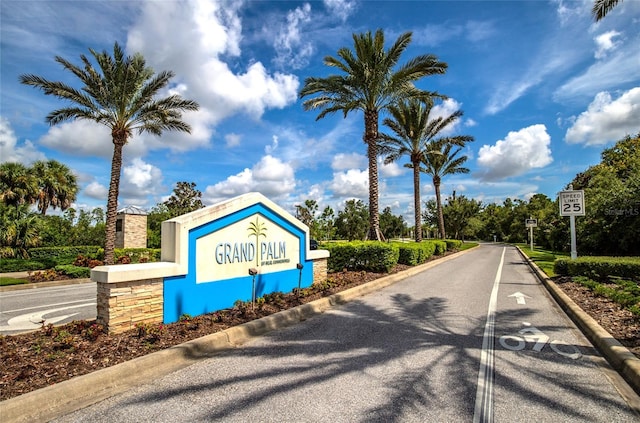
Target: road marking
{"x": 31, "y": 321}
{"x": 520, "y": 297}
{"x": 46, "y": 305}
{"x": 483, "y": 411}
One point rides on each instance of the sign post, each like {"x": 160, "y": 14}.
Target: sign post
{"x": 572, "y": 205}
{"x": 531, "y": 223}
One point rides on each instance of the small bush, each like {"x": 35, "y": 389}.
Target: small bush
{"x": 74, "y": 271}
{"x": 600, "y": 268}
{"x": 453, "y": 244}
{"x": 22, "y": 265}
{"x": 371, "y": 256}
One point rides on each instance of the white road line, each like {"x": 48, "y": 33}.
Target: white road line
{"x": 44, "y": 306}
{"x": 483, "y": 412}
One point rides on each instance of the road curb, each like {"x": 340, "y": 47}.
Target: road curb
{"x": 82, "y": 391}
{"x": 620, "y": 358}
{"x": 35, "y": 285}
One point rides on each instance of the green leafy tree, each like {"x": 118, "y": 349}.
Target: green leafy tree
{"x": 185, "y": 199}
{"x": 307, "y": 214}
{"x": 441, "y": 161}
{"x": 461, "y": 216}
{"x": 611, "y": 225}
{"x": 326, "y": 224}
{"x": 156, "y": 216}
{"x": 18, "y": 230}
{"x": 17, "y": 184}
{"x": 57, "y": 185}
{"x": 602, "y": 7}
{"x": 351, "y": 223}
{"x": 415, "y": 134}
{"x": 390, "y": 225}
{"x": 370, "y": 81}
{"x": 121, "y": 93}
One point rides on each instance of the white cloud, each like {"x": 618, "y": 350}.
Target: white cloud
{"x": 352, "y": 183}
{"x": 232, "y": 140}
{"x": 519, "y": 152}
{"x": 390, "y": 170}
{"x": 270, "y": 176}
{"x": 80, "y": 138}
{"x": 10, "y": 151}
{"x": 344, "y": 161}
{"x": 139, "y": 181}
{"x": 96, "y": 190}
{"x": 340, "y": 8}
{"x": 605, "y": 44}
{"x": 620, "y": 68}
{"x": 292, "y": 50}
{"x": 606, "y": 119}
{"x": 210, "y": 29}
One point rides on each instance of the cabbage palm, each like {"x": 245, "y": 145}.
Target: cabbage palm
{"x": 370, "y": 81}
{"x": 441, "y": 161}
{"x": 122, "y": 95}
{"x": 17, "y": 184}
{"x": 602, "y": 7}
{"x": 416, "y": 134}
{"x": 58, "y": 186}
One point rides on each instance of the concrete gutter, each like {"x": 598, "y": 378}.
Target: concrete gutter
{"x": 66, "y": 397}
{"x": 620, "y": 358}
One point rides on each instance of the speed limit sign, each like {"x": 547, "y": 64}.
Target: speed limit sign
{"x": 572, "y": 203}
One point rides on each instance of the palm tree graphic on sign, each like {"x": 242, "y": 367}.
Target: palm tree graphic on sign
{"x": 257, "y": 229}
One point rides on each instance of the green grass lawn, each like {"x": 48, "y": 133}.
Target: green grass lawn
{"x": 543, "y": 258}
{"x": 12, "y": 281}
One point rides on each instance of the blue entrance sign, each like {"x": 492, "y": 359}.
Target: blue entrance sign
{"x": 218, "y": 245}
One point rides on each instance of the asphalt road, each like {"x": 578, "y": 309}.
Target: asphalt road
{"x": 475, "y": 339}
{"x": 24, "y": 310}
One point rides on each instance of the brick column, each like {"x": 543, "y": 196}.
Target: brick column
{"x": 320, "y": 270}
{"x": 121, "y": 305}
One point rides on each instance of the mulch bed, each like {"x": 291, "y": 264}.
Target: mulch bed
{"x": 53, "y": 354}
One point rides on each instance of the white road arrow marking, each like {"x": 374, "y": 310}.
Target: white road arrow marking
{"x": 520, "y": 297}
{"x": 31, "y": 321}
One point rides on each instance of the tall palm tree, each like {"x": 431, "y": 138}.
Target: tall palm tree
{"x": 416, "y": 135}
{"x": 122, "y": 95}
{"x": 602, "y": 7}
{"x": 371, "y": 82}
{"x": 17, "y": 184}
{"x": 439, "y": 162}
{"x": 58, "y": 186}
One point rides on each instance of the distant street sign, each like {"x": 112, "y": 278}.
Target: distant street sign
{"x": 572, "y": 203}
{"x": 531, "y": 223}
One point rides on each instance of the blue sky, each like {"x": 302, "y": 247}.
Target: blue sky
{"x": 543, "y": 88}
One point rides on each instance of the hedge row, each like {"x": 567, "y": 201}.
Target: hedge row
{"x": 63, "y": 253}
{"x": 599, "y": 268}
{"x": 372, "y": 256}
{"x": 376, "y": 256}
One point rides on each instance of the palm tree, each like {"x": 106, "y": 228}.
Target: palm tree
{"x": 371, "y": 83}
{"x": 416, "y": 135}
{"x": 57, "y": 185}
{"x": 602, "y": 7}
{"x": 120, "y": 94}
{"x": 17, "y": 184}
{"x": 439, "y": 162}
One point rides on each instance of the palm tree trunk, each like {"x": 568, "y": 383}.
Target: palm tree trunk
{"x": 436, "y": 185}
{"x": 371, "y": 139}
{"x": 112, "y": 200}
{"x": 416, "y": 201}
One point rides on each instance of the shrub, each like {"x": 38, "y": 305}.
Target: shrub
{"x": 22, "y": 265}
{"x": 440, "y": 247}
{"x": 63, "y": 255}
{"x": 599, "y": 268}
{"x": 136, "y": 255}
{"x": 371, "y": 256}
{"x": 453, "y": 244}
{"x": 74, "y": 271}
{"x": 413, "y": 253}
